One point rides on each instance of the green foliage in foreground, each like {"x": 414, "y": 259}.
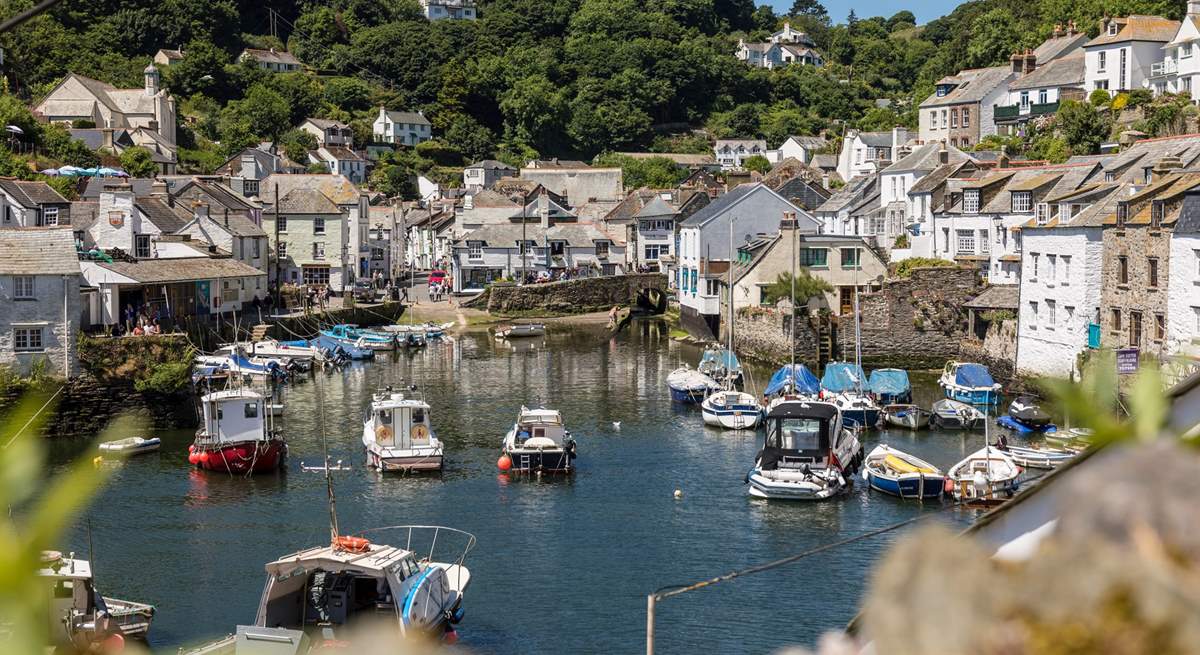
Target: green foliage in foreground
{"x": 806, "y": 286}
{"x": 905, "y": 267}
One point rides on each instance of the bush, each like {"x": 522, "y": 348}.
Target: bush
{"x": 166, "y": 378}
{"x": 1099, "y": 98}
{"x": 906, "y": 266}
{"x": 998, "y": 315}
{"x": 901, "y": 241}
{"x": 757, "y": 164}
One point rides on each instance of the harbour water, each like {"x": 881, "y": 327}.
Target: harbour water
{"x": 561, "y": 566}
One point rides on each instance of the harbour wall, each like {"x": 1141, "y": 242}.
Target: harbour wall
{"x": 763, "y": 334}
{"x": 997, "y": 351}
{"x": 580, "y": 296}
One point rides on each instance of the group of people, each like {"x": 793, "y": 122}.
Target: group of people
{"x": 141, "y": 321}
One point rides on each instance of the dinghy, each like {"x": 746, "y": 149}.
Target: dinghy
{"x": 987, "y": 475}
{"x": 521, "y": 330}
{"x": 690, "y": 386}
{"x": 131, "y": 446}
{"x": 901, "y": 474}
{"x": 953, "y": 415}
{"x": 905, "y": 416}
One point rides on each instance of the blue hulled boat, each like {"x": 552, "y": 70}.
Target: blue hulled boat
{"x": 900, "y": 474}
{"x": 969, "y": 383}
{"x": 333, "y": 345}
{"x": 690, "y": 386}
{"x": 352, "y": 335}
{"x": 890, "y": 386}
{"x": 842, "y": 385}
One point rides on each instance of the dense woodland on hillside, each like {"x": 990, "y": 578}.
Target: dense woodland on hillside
{"x": 551, "y": 77}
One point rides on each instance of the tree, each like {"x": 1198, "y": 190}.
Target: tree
{"x": 652, "y": 172}
{"x": 808, "y": 8}
{"x": 61, "y": 146}
{"x": 138, "y": 162}
{"x": 995, "y": 35}
{"x": 297, "y": 143}
{"x": 263, "y": 113}
{"x": 348, "y": 93}
{"x": 1081, "y": 126}
{"x": 202, "y": 70}
{"x": 806, "y": 286}
{"x": 757, "y": 164}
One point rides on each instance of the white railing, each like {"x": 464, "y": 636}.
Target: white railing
{"x": 1165, "y": 67}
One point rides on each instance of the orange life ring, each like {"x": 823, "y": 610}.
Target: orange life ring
{"x": 351, "y": 544}
{"x": 383, "y": 433}
{"x": 419, "y": 432}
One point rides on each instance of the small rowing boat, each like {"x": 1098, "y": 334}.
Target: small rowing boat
{"x": 131, "y": 446}
{"x": 900, "y": 474}
{"x": 906, "y": 416}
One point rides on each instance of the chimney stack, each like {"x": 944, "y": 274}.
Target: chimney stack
{"x": 158, "y": 189}
{"x": 943, "y": 154}
{"x": 1165, "y": 166}
{"x": 543, "y": 205}
{"x": 1193, "y": 8}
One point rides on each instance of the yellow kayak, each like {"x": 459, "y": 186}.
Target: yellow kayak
{"x": 900, "y": 466}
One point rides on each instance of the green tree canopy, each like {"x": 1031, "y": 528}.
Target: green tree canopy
{"x": 805, "y": 286}
{"x": 138, "y": 162}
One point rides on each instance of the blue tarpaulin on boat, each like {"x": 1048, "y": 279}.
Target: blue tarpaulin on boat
{"x": 889, "y": 381}
{"x": 724, "y": 358}
{"x": 802, "y": 380}
{"x": 842, "y": 376}
{"x": 973, "y": 376}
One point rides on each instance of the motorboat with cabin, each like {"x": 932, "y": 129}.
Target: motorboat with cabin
{"x": 329, "y": 597}
{"x": 274, "y": 349}
{"x": 792, "y": 382}
{"x": 238, "y": 365}
{"x": 912, "y": 417}
{"x": 890, "y": 386}
{"x": 969, "y": 383}
{"x": 903, "y": 475}
{"x": 842, "y": 385}
{"x": 808, "y": 454}
{"x": 954, "y": 415}
{"x": 351, "y": 335}
{"x": 398, "y": 434}
{"x": 689, "y": 385}
{"x": 237, "y": 434}
{"x": 731, "y": 409}
{"x": 81, "y": 620}
{"x": 538, "y": 443}
{"x": 986, "y": 475}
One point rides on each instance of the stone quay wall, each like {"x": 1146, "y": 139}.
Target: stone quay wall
{"x": 580, "y": 296}
{"x": 762, "y": 333}
{"x": 914, "y": 322}
{"x": 997, "y": 351}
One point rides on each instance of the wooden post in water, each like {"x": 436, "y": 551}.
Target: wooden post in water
{"x": 650, "y": 600}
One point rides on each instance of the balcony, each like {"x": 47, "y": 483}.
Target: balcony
{"x": 1009, "y": 112}
{"x": 1164, "y": 68}
{"x": 1005, "y": 112}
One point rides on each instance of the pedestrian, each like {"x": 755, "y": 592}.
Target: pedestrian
{"x": 128, "y": 318}
{"x": 612, "y": 317}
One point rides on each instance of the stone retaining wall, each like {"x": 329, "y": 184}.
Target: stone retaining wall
{"x": 571, "y": 296}
{"x": 762, "y": 333}
{"x": 997, "y": 351}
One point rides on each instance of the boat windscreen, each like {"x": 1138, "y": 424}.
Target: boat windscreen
{"x": 973, "y": 376}
{"x": 889, "y": 381}
{"x": 794, "y": 378}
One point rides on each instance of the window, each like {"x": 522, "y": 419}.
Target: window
{"x": 1022, "y": 202}
{"x": 984, "y": 245}
{"x": 712, "y": 287}
{"x": 257, "y": 243}
{"x": 818, "y": 257}
{"x": 1160, "y": 327}
{"x": 601, "y": 249}
{"x": 250, "y": 187}
{"x": 971, "y": 201}
{"x": 281, "y": 249}
{"x": 474, "y": 250}
{"x": 1051, "y": 265}
{"x": 1122, "y": 269}
{"x": 1102, "y": 84}
{"x": 945, "y": 118}
{"x": 966, "y": 119}
{"x": 141, "y": 246}
{"x": 525, "y": 247}
{"x": 281, "y": 223}
{"x": 50, "y": 216}
{"x": 965, "y": 243}
{"x": 1112, "y": 29}
{"x": 1033, "y": 257}
{"x": 316, "y": 275}
{"x": 251, "y": 410}
{"x": 1066, "y": 269}
{"x": 1033, "y": 314}
{"x": 1152, "y": 271}
{"x": 651, "y": 253}
{"x": 1101, "y": 61}
{"x": 1051, "y": 314}
{"x": 1043, "y": 96}
{"x": 1024, "y": 100}
{"x": 933, "y": 120}
{"x": 1116, "y": 319}
{"x": 1156, "y": 214}
{"x": 318, "y": 226}
{"x": 1187, "y": 85}
{"x": 1042, "y": 213}
{"x": 851, "y": 257}
{"x": 1121, "y": 74}
{"x": 27, "y": 339}
{"x": 954, "y": 117}
{"x": 23, "y": 287}
{"x": 318, "y": 250}
{"x": 1070, "y": 315}
{"x": 1135, "y": 329}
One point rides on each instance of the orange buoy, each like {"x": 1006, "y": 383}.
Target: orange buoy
{"x": 450, "y": 638}
{"x": 202, "y": 457}
{"x": 191, "y": 448}
{"x": 504, "y": 463}
{"x": 193, "y": 458}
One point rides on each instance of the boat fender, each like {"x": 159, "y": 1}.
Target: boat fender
{"x": 504, "y": 463}
{"x": 451, "y": 637}
{"x": 193, "y": 457}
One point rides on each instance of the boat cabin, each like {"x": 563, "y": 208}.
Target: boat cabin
{"x": 536, "y": 424}
{"x": 800, "y": 434}
{"x": 400, "y": 423}
{"x": 72, "y": 598}
{"x": 234, "y": 415}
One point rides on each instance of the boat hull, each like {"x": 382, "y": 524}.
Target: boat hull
{"x": 973, "y": 396}
{"x": 907, "y": 486}
{"x": 1022, "y": 428}
{"x": 739, "y": 417}
{"x": 411, "y": 463}
{"x": 762, "y": 486}
{"x": 860, "y": 417}
{"x": 689, "y": 396}
{"x": 243, "y": 457}
{"x": 543, "y": 461}
{"x": 912, "y": 419}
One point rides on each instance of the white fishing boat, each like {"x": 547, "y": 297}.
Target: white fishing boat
{"x": 905, "y": 416}
{"x": 731, "y": 409}
{"x": 538, "y": 443}
{"x": 398, "y": 435}
{"x": 81, "y": 619}
{"x": 131, "y": 445}
{"x": 986, "y": 475}
{"x": 272, "y": 349}
{"x": 807, "y": 454}
{"x": 900, "y": 474}
{"x": 1036, "y": 455}
{"x": 689, "y": 385}
{"x": 521, "y": 331}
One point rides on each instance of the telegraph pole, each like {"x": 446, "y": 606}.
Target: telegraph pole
{"x": 278, "y": 259}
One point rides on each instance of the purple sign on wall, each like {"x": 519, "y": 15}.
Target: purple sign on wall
{"x": 1127, "y": 361}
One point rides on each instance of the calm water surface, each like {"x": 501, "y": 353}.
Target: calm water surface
{"x": 561, "y": 566}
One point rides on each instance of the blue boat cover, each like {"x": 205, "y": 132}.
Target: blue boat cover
{"x": 889, "y": 381}
{"x": 802, "y": 380}
{"x": 842, "y": 376}
{"x": 723, "y": 357}
{"x": 973, "y": 376}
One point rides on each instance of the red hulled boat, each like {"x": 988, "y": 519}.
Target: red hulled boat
{"x": 237, "y": 435}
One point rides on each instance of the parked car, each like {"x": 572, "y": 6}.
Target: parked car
{"x": 364, "y": 291}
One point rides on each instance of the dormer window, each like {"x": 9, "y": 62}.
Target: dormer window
{"x": 1022, "y": 202}
{"x": 971, "y": 201}
{"x": 1122, "y": 213}
{"x": 1156, "y": 214}
{"x": 1064, "y": 212}
{"x": 1042, "y": 215}
{"x": 1110, "y": 176}
{"x": 1112, "y": 28}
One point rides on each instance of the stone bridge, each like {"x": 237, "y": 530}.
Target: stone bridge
{"x": 580, "y": 296}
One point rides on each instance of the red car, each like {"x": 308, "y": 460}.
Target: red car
{"x": 437, "y": 277}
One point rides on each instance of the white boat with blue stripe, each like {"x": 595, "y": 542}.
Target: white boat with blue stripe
{"x": 732, "y": 410}
{"x": 807, "y": 454}
{"x": 969, "y": 383}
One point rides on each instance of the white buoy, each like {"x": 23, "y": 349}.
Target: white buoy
{"x": 678, "y": 494}
{"x": 616, "y": 425}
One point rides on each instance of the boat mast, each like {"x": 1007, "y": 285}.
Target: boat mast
{"x": 729, "y": 374}
{"x": 792, "y": 372}
{"x": 857, "y": 326}
{"x": 332, "y": 501}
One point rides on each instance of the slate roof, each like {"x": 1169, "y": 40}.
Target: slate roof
{"x": 325, "y": 123}
{"x": 848, "y": 194}
{"x": 224, "y": 196}
{"x": 168, "y": 219}
{"x": 746, "y": 143}
{"x": 925, "y": 158}
{"x": 876, "y": 139}
{"x": 932, "y": 180}
{"x": 1189, "y": 213}
{"x": 680, "y": 158}
{"x": 342, "y": 153}
{"x": 171, "y": 54}
{"x": 824, "y": 162}
{"x": 272, "y": 56}
{"x": 810, "y": 142}
{"x": 1067, "y": 71}
{"x": 93, "y": 138}
{"x": 38, "y": 251}
{"x": 507, "y": 235}
{"x": 1056, "y": 47}
{"x": 32, "y": 193}
{"x": 407, "y": 117}
{"x": 998, "y": 296}
{"x": 306, "y": 201}
{"x": 657, "y": 207}
{"x": 184, "y": 269}
{"x": 492, "y": 165}
{"x": 337, "y": 188}
{"x": 720, "y": 205}
{"x": 237, "y": 225}
{"x": 973, "y": 86}
{"x": 1138, "y": 28}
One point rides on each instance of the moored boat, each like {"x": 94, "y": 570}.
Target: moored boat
{"x": 1021, "y": 428}
{"x": 792, "y": 381}
{"x": 986, "y": 475}
{"x": 131, "y": 445}
{"x": 521, "y": 331}
{"x": 950, "y": 414}
{"x": 842, "y": 384}
{"x": 398, "y": 434}
{"x": 1026, "y": 411}
{"x": 900, "y": 474}
{"x": 690, "y": 386}
{"x": 731, "y": 409}
{"x": 722, "y": 365}
{"x": 236, "y": 435}
{"x": 352, "y": 335}
{"x": 340, "y": 346}
{"x": 538, "y": 443}
{"x": 890, "y": 386}
{"x": 82, "y": 620}
{"x": 807, "y": 453}
{"x": 1036, "y": 456}
{"x": 905, "y": 416}
{"x": 969, "y": 383}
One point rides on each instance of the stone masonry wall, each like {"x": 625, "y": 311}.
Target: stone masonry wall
{"x": 997, "y": 351}
{"x": 572, "y": 296}
{"x": 761, "y": 333}
{"x": 915, "y": 322}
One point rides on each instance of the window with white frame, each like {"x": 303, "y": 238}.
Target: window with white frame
{"x": 1101, "y": 61}
{"x": 281, "y": 249}
{"x": 1051, "y": 311}
{"x": 50, "y": 216}
{"x": 652, "y": 253}
{"x": 1033, "y": 258}
{"x": 474, "y": 250}
{"x": 1022, "y": 202}
{"x": 28, "y": 339}
{"x": 1051, "y": 269}
{"x": 318, "y": 250}
{"x": 985, "y": 246}
{"x": 1065, "y": 260}
{"x": 954, "y": 117}
{"x": 1043, "y": 96}
{"x": 1042, "y": 213}
{"x": 1069, "y": 317}
{"x": 965, "y": 243}
{"x": 23, "y": 287}
{"x": 1033, "y": 314}
{"x": 712, "y": 287}
{"x": 141, "y": 246}
{"x": 601, "y": 249}
{"x": 971, "y": 201}
{"x": 1024, "y": 100}
{"x": 966, "y": 119}
{"x": 318, "y": 226}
